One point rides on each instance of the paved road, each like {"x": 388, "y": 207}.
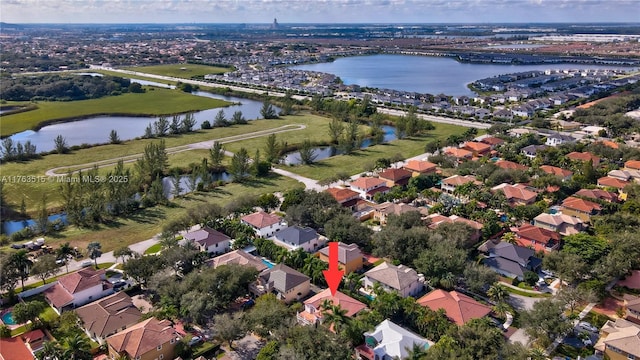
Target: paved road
{"x": 309, "y": 184}
{"x": 438, "y": 119}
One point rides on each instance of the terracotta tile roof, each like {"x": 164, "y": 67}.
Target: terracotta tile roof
{"x": 377, "y": 190}
{"x": 476, "y": 146}
{"x": 420, "y": 166}
{"x": 341, "y": 195}
{"x": 58, "y": 295}
{"x": 82, "y": 279}
{"x": 612, "y": 182}
{"x": 505, "y": 164}
{"x": 544, "y": 236}
{"x": 554, "y": 170}
{"x": 346, "y": 252}
{"x": 14, "y": 349}
{"x": 351, "y": 305}
{"x": 458, "y": 153}
{"x": 632, "y": 164}
{"x": 517, "y": 191}
{"x": 395, "y": 174}
{"x": 459, "y": 307}
{"x": 437, "y": 219}
{"x": 581, "y": 205}
{"x": 492, "y": 141}
{"x": 584, "y": 156}
{"x": 261, "y": 219}
{"x": 238, "y": 257}
{"x": 109, "y": 315}
{"x": 609, "y": 144}
{"x": 393, "y": 208}
{"x": 598, "y": 194}
{"x": 457, "y": 180}
{"x": 367, "y": 182}
{"x": 143, "y": 337}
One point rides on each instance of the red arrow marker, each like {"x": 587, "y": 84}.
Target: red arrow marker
{"x": 333, "y": 276}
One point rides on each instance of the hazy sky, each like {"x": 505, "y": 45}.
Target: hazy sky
{"x": 317, "y": 11}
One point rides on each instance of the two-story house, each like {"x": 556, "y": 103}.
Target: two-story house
{"x": 459, "y": 308}
{"x": 395, "y": 177}
{"x": 382, "y": 211}
{"x": 209, "y": 240}
{"x": 450, "y": 184}
{"x": 238, "y": 257}
{"x": 612, "y": 182}
{"x": 287, "y": 284}
{"x": 559, "y": 139}
{"x": 512, "y": 260}
{"x": 402, "y": 279}
{"x": 531, "y": 151}
{"x": 580, "y": 208}
{"x": 631, "y": 307}
{"x": 619, "y": 340}
{"x": 517, "y": 195}
{"x": 390, "y": 341}
{"x": 478, "y": 149}
{"x": 563, "y": 174}
{"x": 537, "y": 238}
{"x": 345, "y": 197}
{"x": 560, "y": 223}
{"x": 492, "y": 141}
{"x": 78, "y": 288}
{"x": 349, "y": 257}
{"x": 458, "y": 153}
{"x": 598, "y": 194}
{"x": 313, "y": 310}
{"x": 420, "y": 167}
{"x": 367, "y": 187}
{"x": 264, "y": 224}
{"x": 151, "y": 339}
{"x": 296, "y": 237}
{"x": 108, "y": 315}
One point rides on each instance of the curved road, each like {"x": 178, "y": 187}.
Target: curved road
{"x": 438, "y": 119}
{"x": 177, "y": 149}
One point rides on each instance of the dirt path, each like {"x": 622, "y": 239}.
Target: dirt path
{"x": 63, "y": 170}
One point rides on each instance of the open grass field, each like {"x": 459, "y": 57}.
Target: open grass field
{"x": 186, "y": 71}
{"x": 356, "y": 162}
{"x": 153, "y": 102}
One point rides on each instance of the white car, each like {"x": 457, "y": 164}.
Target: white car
{"x": 583, "y": 325}
{"x": 86, "y": 263}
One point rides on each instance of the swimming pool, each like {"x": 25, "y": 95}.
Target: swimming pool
{"x": 7, "y": 318}
{"x": 268, "y": 263}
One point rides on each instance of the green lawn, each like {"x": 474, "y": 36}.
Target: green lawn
{"x": 154, "y": 249}
{"x": 105, "y": 265}
{"x": 186, "y": 71}
{"x": 153, "y": 102}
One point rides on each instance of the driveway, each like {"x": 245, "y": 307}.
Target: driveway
{"x": 520, "y": 302}
{"x": 246, "y": 348}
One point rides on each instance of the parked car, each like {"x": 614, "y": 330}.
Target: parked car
{"x": 194, "y": 340}
{"x": 119, "y": 285}
{"x": 583, "y": 325}
{"x": 87, "y": 263}
{"x": 587, "y": 342}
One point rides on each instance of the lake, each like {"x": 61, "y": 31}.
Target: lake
{"x": 95, "y": 130}
{"x": 423, "y": 74}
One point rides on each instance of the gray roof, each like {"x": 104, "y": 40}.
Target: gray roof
{"x": 561, "y": 137}
{"x": 207, "y": 236}
{"x": 512, "y": 252}
{"x": 346, "y": 253}
{"x": 506, "y": 265}
{"x": 397, "y": 277}
{"x": 296, "y": 235}
{"x": 533, "y": 149}
{"x": 283, "y": 278}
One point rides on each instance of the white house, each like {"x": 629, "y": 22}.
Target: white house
{"x": 265, "y": 225}
{"x": 390, "y": 341}
{"x": 402, "y": 279}
{"x": 559, "y": 139}
{"x": 209, "y": 240}
{"x": 78, "y": 288}
{"x": 367, "y": 187}
{"x": 296, "y": 237}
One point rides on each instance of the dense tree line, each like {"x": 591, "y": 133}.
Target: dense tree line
{"x": 610, "y": 114}
{"x": 65, "y": 87}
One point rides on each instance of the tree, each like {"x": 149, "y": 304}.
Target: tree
{"x": 569, "y": 267}
{"x": 176, "y": 179}
{"x": 60, "y": 144}
{"x": 307, "y": 153}
{"x": 205, "y": 125}
{"x": 148, "y": 132}
{"x": 64, "y": 253}
{"x": 20, "y": 264}
{"x": 220, "y": 120}
{"x": 143, "y": 268}
{"x": 268, "y": 314}
{"x": 113, "y": 137}
{"x": 268, "y": 201}
{"x": 123, "y": 252}
{"x": 175, "y": 127}
{"x": 28, "y": 311}
{"x": 51, "y": 350}
{"x": 77, "y": 348}
{"x": 161, "y": 126}
{"x": 94, "y": 251}
{"x": 272, "y": 150}
{"x": 441, "y": 259}
{"x": 336, "y": 127}
{"x": 546, "y": 321}
{"x": 498, "y": 293}
{"x": 240, "y": 166}
{"x": 188, "y": 122}
{"x": 478, "y": 277}
{"x": 237, "y": 118}
{"x": 216, "y": 154}
{"x": 309, "y": 342}
{"x": 267, "y": 111}
{"x": 590, "y": 248}
{"x": 45, "y": 267}
{"x": 347, "y": 229}
{"x": 572, "y": 297}
{"x": 229, "y": 327}
{"x": 335, "y": 316}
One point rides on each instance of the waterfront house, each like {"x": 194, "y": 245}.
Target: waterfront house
{"x": 367, "y": 187}
{"x": 345, "y": 197}
{"x": 349, "y": 257}
{"x": 264, "y": 224}
{"x": 395, "y": 177}
{"x": 420, "y": 167}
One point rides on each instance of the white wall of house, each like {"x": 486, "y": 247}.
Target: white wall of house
{"x": 414, "y": 288}
{"x": 219, "y": 248}
{"x": 268, "y": 231}
{"x": 89, "y": 295}
{"x": 310, "y": 247}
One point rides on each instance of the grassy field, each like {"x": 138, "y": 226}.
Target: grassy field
{"x": 186, "y": 71}
{"x": 32, "y": 192}
{"x": 153, "y": 102}
{"x": 356, "y": 163}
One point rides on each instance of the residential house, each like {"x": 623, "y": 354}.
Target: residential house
{"x": 558, "y": 139}
{"x": 536, "y": 238}
{"x": 632, "y": 165}
{"x": 580, "y": 208}
{"x": 382, "y": 211}
{"x": 510, "y": 165}
{"x": 512, "y": 260}
{"x": 34, "y": 340}
{"x": 389, "y": 341}
{"x": 209, "y": 240}
{"x": 560, "y": 223}
{"x": 584, "y": 157}
{"x": 632, "y": 308}
{"x": 504, "y": 114}
{"x": 478, "y": 149}
{"x": 450, "y": 184}
{"x": 345, "y": 197}
{"x": 623, "y": 175}
{"x": 435, "y": 220}
{"x": 493, "y": 142}
{"x": 151, "y": 339}
{"x": 264, "y": 224}
{"x": 296, "y": 237}
{"x": 531, "y": 151}
{"x": 288, "y": 284}
{"x": 460, "y": 154}
{"x": 598, "y": 194}
{"x": 619, "y": 340}
{"x": 402, "y": 279}
{"x": 517, "y": 195}
{"x": 611, "y": 182}
{"x": 14, "y": 349}
{"x": 238, "y": 257}
{"x": 108, "y": 315}
{"x": 420, "y": 167}
{"x": 367, "y": 187}
{"x": 459, "y": 308}
{"x": 349, "y": 257}
{"x": 313, "y": 311}
{"x": 395, "y": 177}
{"x": 78, "y": 288}
{"x": 565, "y": 175}
{"x": 594, "y": 130}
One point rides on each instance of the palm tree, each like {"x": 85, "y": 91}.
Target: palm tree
{"x": 448, "y": 281}
{"x": 20, "y": 262}
{"x": 416, "y": 352}
{"x": 510, "y": 238}
{"x": 502, "y": 308}
{"x": 50, "y": 351}
{"x": 77, "y": 347}
{"x": 335, "y": 316}
{"x": 94, "y": 251}
{"x": 498, "y": 293}
{"x": 537, "y": 354}
{"x": 352, "y": 281}
{"x": 64, "y": 252}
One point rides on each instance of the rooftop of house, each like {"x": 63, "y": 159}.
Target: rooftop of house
{"x": 109, "y": 314}
{"x": 460, "y": 308}
{"x": 554, "y": 170}
{"x": 533, "y": 149}
{"x": 584, "y": 156}
{"x": 531, "y": 232}
{"x": 518, "y": 191}
{"x": 394, "y": 340}
{"x": 609, "y": 144}
{"x": 557, "y": 219}
{"x": 367, "y": 182}
{"x": 14, "y": 349}
{"x": 207, "y": 236}
{"x": 261, "y": 219}
{"x": 477, "y": 146}
{"x": 575, "y": 203}
{"x": 389, "y": 208}
{"x": 492, "y": 140}
{"x": 346, "y": 252}
{"x": 296, "y": 235}
{"x": 457, "y": 180}
{"x": 519, "y": 254}
{"x": 341, "y": 194}
{"x": 395, "y": 174}
{"x": 622, "y": 334}
{"x": 398, "y": 277}
{"x": 420, "y": 166}
{"x": 632, "y": 164}
{"x": 608, "y": 181}
{"x": 347, "y": 303}
{"x": 82, "y": 279}
{"x": 143, "y": 337}
{"x": 437, "y": 219}
{"x": 239, "y": 257}
{"x": 283, "y": 278}
{"x": 505, "y": 164}
{"x": 598, "y": 194}
{"x": 458, "y": 153}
